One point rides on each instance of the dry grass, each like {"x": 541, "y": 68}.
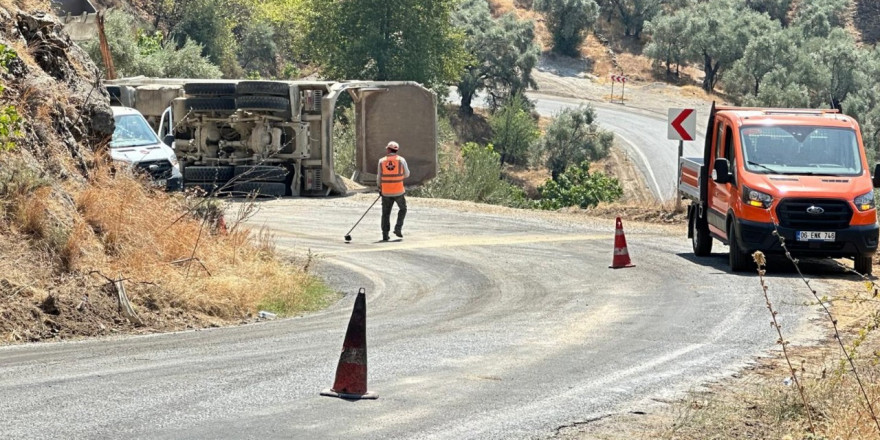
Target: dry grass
{"x": 143, "y": 232}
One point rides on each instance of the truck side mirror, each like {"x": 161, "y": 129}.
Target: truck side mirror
{"x": 721, "y": 171}
{"x": 876, "y": 177}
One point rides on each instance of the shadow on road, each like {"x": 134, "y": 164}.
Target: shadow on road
{"x": 777, "y": 266}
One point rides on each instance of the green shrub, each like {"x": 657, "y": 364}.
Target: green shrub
{"x": 10, "y": 120}
{"x": 344, "y": 143}
{"x": 476, "y": 177}
{"x": 574, "y": 137}
{"x": 514, "y": 131}
{"x": 577, "y": 187}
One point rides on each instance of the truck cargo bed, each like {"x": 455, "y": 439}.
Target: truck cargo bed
{"x": 691, "y": 169}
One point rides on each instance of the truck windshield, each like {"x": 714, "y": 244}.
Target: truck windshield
{"x": 827, "y": 151}
{"x": 132, "y": 131}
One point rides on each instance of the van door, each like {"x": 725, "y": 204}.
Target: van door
{"x": 719, "y": 200}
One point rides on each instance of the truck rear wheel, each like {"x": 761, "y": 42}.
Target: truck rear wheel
{"x": 263, "y": 103}
{"x": 266, "y": 173}
{"x": 193, "y": 173}
{"x": 210, "y": 104}
{"x": 863, "y": 264}
{"x": 739, "y": 260}
{"x": 209, "y": 89}
{"x": 701, "y": 241}
{"x": 272, "y": 88}
{"x": 262, "y": 189}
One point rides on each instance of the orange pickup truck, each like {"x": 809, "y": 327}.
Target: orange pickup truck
{"x": 800, "y": 172}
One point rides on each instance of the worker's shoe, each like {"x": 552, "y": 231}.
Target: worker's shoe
{"x": 385, "y": 236}
{"x": 398, "y": 233}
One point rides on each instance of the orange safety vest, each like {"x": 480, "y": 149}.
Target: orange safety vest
{"x": 391, "y": 176}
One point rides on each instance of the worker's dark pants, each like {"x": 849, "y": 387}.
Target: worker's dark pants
{"x": 387, "y": 204}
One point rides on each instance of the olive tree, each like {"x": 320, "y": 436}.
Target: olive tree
{"x": 574, "y": 137}
{"x": 634, "y": 13}
{"x": 567, "y": 20}
{"x": 502, "y": 54}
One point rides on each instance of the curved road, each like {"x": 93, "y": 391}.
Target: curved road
{"x": 481, "y": 325}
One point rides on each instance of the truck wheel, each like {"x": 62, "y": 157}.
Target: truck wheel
{"x": 739, "y": 260}
{"x": 209, "y": 89}
{"x": 210, "y": 189}
{"x": 273, "y": 88}
{"x": 194, "y": 173}
{"x": 701, "y": 241}
{"x": 262, "y": 189}
{"x": 863, "y": 264}
{"x": 267, "y": 173}
{"x": 263, "y": 103}
{"x": 210, "y": 104}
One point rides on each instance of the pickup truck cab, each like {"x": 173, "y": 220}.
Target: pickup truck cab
{"x": 135, "y": 143}
{"x": 796, "y": 174}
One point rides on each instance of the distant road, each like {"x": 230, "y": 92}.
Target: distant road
{"x": 642, "y": 134}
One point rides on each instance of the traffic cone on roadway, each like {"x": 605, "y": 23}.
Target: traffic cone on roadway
{"x": 621, "y": 254}
{"x": 351, "y": 373}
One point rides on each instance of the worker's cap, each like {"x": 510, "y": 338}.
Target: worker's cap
{"x": 393, "y": 146}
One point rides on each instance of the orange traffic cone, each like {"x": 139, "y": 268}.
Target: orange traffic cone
{"x": 621, "y": 254}
{"x": 351, "y": 373}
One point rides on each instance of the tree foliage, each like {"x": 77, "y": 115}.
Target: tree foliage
{"x": 578, "y": 187}
{"x": 502, "y": 54}
{"x": 137, "y": 49}
{"x": 635, "y": 13}
{"x": 574, "y": 137}
{"x": 210, "y": 23}
{"x": 567, "y": 20}
{"x": 666, "y": 46}
{"x": 515, "y": 130}
{"x": 386, "y": 40}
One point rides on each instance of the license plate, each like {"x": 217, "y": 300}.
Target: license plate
{"x": 815, "y": 236}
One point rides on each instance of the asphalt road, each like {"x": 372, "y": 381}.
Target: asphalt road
{"x": 503, "y": 325}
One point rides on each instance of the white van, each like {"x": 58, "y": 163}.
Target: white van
{"x": 135, "y": 143}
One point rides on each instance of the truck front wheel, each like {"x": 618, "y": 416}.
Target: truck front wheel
{"x": 739, "y": 260}
{"x": 701, "y": 241}
{"x": 864, "y": 264}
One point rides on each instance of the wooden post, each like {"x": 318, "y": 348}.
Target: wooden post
{"x": 105, "y": 48}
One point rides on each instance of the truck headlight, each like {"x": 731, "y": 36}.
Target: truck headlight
{"x": 865, "y": 201}
{"x": 756, "y": 198}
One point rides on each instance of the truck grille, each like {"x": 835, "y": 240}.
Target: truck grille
{"x": 157, "y": 169}
{"x": 835, "y": 214}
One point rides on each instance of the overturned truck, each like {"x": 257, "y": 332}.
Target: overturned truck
{"x": 276, "y": 137}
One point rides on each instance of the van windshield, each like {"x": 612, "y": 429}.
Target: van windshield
{"x": 132, "y": 131}
{"x": 826, "y": 151}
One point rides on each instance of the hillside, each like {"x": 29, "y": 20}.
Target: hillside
{"x": 80, "y": 237}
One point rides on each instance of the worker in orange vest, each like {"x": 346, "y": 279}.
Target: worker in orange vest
{"x": 392, "y": 171}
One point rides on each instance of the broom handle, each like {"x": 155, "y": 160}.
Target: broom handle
{"x": 365, "y": 214}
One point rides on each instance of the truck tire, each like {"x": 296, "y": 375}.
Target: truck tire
{"x": 210, "y": 189}
{"x": 194, "y": 173}
{"x": 739, "y": 260}
{"x": 262, "y": 189}
{"x": 265, "y": 173}
{"x": 863, "y": 264}
{"x": 701, "y": 241}
{"x": 263, "y": 103}
{"x": 209, "y": 89}
{"x": 272, "y": 88}
{"x": 210, "y": 104}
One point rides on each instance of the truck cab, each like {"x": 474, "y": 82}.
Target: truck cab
{"x": 773, "y": 176}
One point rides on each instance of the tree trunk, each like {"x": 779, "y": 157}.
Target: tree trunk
{"x": 465, "y": 107}
{"x": 709, "y": 79}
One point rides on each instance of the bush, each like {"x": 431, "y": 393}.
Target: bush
{"x": 577, "y": 187}
{"x": 567, "y": 20}
{"x": 138, "y": 50}
{"x": 514, "y": 131}
{"x": 344, "y": 143}
{"x": 10, "y": 120}
{"x": 476, "y": 177}
{"x": 574, "y": 137}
